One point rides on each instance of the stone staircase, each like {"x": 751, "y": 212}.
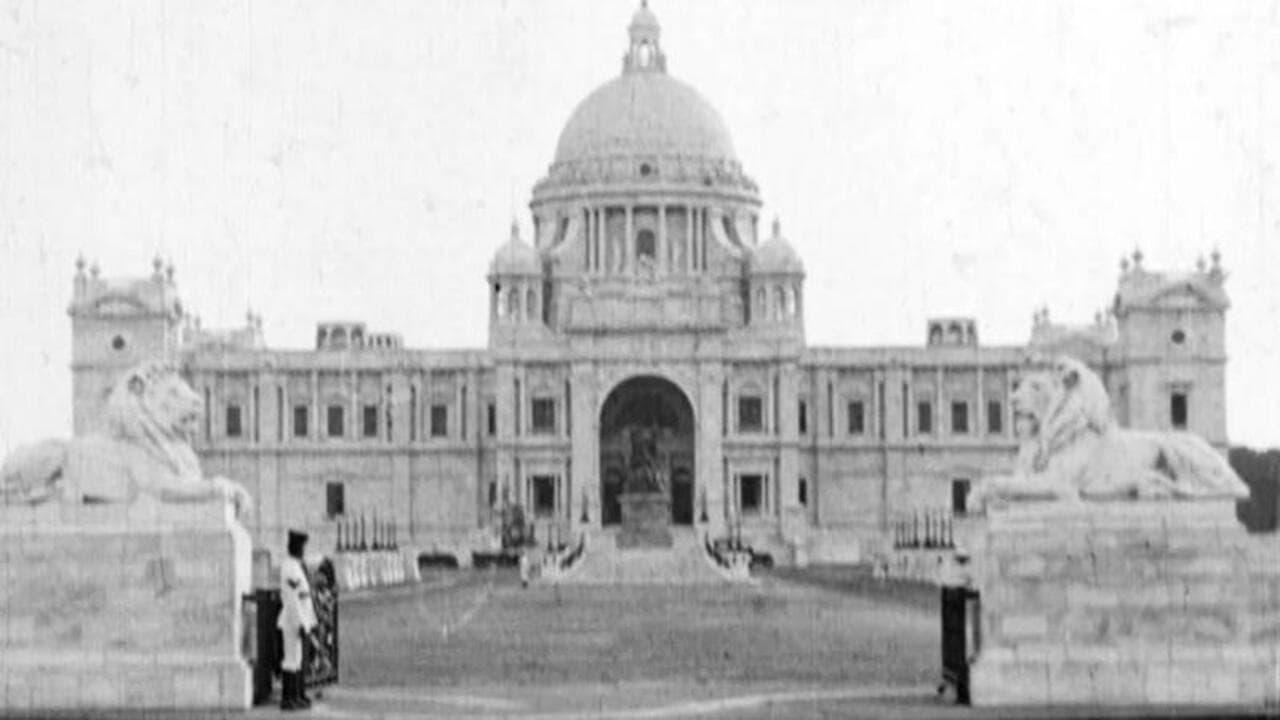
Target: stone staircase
{"x": 686, "y": 562}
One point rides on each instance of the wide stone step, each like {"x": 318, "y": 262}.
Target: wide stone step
{"x": 683, "y": 563}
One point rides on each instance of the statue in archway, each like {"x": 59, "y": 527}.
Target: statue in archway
{"x": 646, "y": 471}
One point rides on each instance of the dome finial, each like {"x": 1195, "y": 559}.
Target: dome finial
{"x": 645, "y": 54}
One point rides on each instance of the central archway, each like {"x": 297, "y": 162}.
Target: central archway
{"x": 657, "y": 407}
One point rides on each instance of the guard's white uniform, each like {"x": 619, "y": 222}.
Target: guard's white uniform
{"x": 297, "y": 615}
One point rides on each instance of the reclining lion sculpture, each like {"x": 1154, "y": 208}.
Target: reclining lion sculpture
{"x": 143, "y": 449}
{"x": 1073, "y": 450}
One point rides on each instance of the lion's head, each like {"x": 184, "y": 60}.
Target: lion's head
{"x": 1052, "y": 406}
{"x": 153, "y": 406}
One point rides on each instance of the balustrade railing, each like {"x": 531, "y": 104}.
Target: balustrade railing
{"x": 932, "y": 529}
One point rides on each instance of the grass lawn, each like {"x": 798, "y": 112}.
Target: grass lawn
{"x": 822, "y": 626}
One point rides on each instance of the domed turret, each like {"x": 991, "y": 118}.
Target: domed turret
{"x": 776, "y": 256}
{"x": 515, "y": 257}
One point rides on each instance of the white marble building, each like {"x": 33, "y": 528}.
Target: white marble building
{"x": 652, "y": 292}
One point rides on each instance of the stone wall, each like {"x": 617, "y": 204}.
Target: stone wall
{"x": 1126, "y": 604}
{"x": 108, "y": 607}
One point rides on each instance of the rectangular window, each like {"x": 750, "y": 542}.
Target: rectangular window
{"x": 959, "y": 496}
{"x": 750, "y": 414}
{"x": 857, "y": 417}
{"x": 335, "y": 421}
{"x": 1178, "y": 410}
{"x": 995, "y": 417}
{"x": 960, "y": 418}
{"x": 544, "y": 416}
{"x": 301, "y": 416}
{"x": 803, "y": 417}
{"x": 334, "y": 499}
{"x": 750, "y": 494}
{"x": 803, "y": 491}
{"x": 233, "y": 421}
{"x": 924, "y": 417}
{"x": 491, "y": 413}
{"x": 544, "y": 496}
{"x": 369, "y": 424}
{"x": 439, "y": 420}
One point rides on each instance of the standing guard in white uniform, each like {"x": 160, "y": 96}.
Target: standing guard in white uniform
{"x": 297, "y": 620}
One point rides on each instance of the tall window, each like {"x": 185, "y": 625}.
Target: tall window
{"x": 439, "y": 420}
{"x": 544, "y": 495}
{"x": 544, "y": 416}
{"x": 301, "y": 416}
{"x": 751, "y": 494}
{"x": 1178, "y": 410}
{"x": 857, "y": 417}
{"x": 802, "y": 416}
{"x": 234, "y": 428}
{"x": 334, "y": 499}
{"x": 995, "y": 417}
{"x": 924, "y": 417}
{"x": 750, "y": 414}
{"x": 335, "y": 423}
{"x": 491, "y": 418}
{"x": 960, "y": 496}
{"x": 802, "y": 490}
{"x": 960, "y": 418}
{"x": 369, "y": 421}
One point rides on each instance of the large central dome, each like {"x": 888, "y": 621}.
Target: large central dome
{"x": 645, "y": 112}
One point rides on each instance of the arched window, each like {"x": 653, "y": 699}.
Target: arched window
{"x": 499, "y": 306}
{"x": 955, "y": 334}
{"x": 513, "y": 303}
{"x": 644, "y": 54}
{"x": 646, "y": 245}
{"x": 762, "y": 304}
{"x": 790, "y": 301}
{"x": 780, "y": 303}
{"x": 531, "y": 304}
{"x": 338, "y": 337}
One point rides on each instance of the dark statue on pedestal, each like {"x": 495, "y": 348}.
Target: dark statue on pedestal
{"x": 646, "y": 496}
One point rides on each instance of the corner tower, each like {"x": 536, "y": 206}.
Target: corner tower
{"x": 115, "y": 324}
{"x": 1172, "y": 345}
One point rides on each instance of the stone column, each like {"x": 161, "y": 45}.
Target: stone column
{"x": 937, "y": 402}
{"x": 584, "y": 446}
{"x": 629, "y": 242}
{"x": 687, "y": 261}
{"x": 314, "y": 412}
{"x": 664, "y": 252}
{"x": 980, "y": 412}
{"x": 709, "y": 473}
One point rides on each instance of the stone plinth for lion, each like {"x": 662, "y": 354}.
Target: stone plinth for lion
{"x": 124, "y": 567}
{"x": 1112, "y": 570}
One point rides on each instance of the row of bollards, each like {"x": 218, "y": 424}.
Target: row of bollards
{"x": 926, "y": 529}
{"x": 352, "y": 536}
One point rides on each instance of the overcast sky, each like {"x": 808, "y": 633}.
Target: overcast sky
{"x": 363, "y": 160}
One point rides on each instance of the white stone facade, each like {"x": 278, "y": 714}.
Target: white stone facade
{"x": 648, "y": 261}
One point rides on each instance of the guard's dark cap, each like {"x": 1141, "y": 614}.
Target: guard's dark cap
{"x": 297, "y": 537}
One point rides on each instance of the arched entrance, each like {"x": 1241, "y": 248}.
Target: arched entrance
{"x": 647, "y": 422}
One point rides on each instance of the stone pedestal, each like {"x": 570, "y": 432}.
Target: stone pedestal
{"x": 114, "y": 607}
{"x": 646, "y": 520}
{"x": 1136, "y": 603}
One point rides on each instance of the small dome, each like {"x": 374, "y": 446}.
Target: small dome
{"x": 776, "y": 256}
{"x": 516, "y": 257}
